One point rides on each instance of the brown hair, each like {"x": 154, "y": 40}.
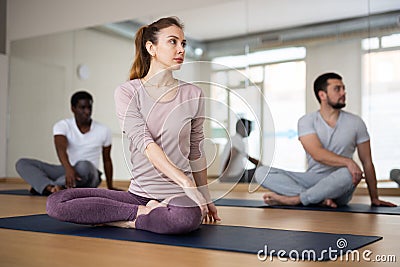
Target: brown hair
{"x": 141, "y": 64}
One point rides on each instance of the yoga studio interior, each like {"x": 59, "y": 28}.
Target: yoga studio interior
{"x": 253, "y": 59}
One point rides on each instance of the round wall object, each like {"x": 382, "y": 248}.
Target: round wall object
{"x": 83, "y": 72}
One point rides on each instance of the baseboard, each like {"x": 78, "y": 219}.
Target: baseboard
{"x": 361, "y": 190}
{"x": 13, "y": 180}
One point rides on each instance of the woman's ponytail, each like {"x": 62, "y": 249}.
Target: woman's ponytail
{"x": 141, "y": 63}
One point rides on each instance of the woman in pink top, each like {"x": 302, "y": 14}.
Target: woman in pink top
{"x": 162, "y": 118}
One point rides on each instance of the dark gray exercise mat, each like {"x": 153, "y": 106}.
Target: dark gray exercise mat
{"x": 18, "y": 192}
{"x": 358, "y": 208}
{"x": 308, "y": 245}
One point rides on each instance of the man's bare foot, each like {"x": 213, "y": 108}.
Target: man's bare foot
{"x": 275, "y": 199}
{"x": 329, "y": 203}
{"x": 56, "y": 188}
{"x": 121, "y": 224}
{"x": 50, "y": 189}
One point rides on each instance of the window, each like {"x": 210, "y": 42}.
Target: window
{"x": 284, "y": 88}
{"x": 268, "y": 87}
{"x": 380, "y": 104}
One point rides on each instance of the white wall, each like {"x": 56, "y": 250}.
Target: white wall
{"x": 343, "y": 57}
{"x": 3, "y": 112}
{"x": 30, "y": 18}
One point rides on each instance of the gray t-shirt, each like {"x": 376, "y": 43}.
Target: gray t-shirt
{"x": 175, "y": 125}
{"x": 350, "y": 131}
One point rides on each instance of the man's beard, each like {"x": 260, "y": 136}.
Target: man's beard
{"x": 336, "y": 105}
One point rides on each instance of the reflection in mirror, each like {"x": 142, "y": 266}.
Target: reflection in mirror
{"x": 281, "y": 57}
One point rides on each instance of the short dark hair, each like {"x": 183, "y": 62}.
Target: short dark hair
{"x": 243, "y": 125}
{"x": 80, "y": 95}
{"x": 321, "y": 82}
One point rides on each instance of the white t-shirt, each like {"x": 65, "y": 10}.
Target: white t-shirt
{"x": 349, "y": 131}
{"x": 237, "y": 164}
{"x": 86, "y": 146}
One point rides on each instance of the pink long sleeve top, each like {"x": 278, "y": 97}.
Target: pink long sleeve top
{"x": 175, "y": 125}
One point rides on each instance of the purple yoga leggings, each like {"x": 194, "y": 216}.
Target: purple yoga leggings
{"x": 97, "y": 206}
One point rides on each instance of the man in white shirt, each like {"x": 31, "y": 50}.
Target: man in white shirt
{"x": 395, "y": 176}
{"x": 234, "y": 158}
{"x": 79, "y": 142}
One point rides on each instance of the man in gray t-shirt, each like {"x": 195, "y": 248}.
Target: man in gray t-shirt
{"x": 330, "y": 137}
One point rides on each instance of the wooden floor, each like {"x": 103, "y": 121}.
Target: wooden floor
{"x": 21, "y": 248}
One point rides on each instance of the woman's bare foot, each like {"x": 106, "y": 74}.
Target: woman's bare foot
{"x": 142, "y": 210}
{"x": 329, "y": 203}
{"x": 152, "y": 204}
{"x": 275, "y": 199}
{"x": 121, "y": 224}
